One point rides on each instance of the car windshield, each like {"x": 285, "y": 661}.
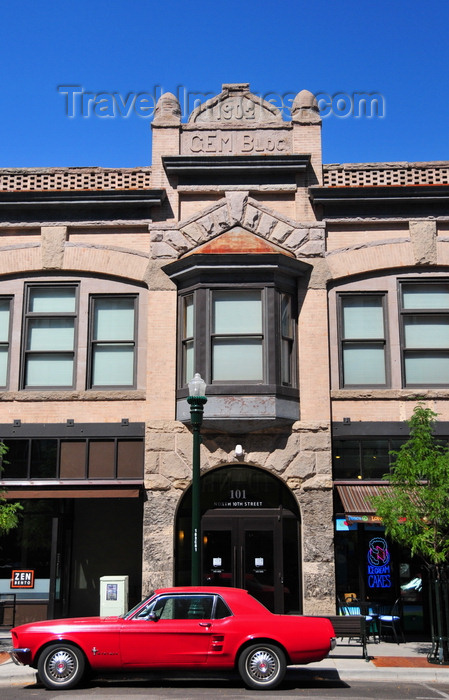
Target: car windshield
{"x": 136, "y": 607}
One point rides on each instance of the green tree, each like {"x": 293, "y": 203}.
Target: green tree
{"x": 9, "y": 512}
{"x": 415, "y": 509}
{"x": 415, "y": 512}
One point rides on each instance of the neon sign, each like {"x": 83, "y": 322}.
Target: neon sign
{"x": 379, "y": 572}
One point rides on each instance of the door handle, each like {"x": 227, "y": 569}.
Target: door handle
{"x": 205, "y": 624}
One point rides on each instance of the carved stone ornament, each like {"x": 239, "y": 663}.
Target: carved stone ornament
{"x": 168, "y": 110}
{"x": 305, "y": 109}
{"x": 236, "y": 105}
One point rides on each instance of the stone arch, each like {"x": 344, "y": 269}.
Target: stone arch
{"x": 245, "y": 508}
{"x": 110, "y": 262}
{"x": 364, "y": 259}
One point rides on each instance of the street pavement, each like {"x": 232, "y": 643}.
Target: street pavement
{"x": 389, "y": 662}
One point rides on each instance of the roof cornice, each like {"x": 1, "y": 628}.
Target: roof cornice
{"x": 79, "y": 205}
{"x": 399, "y": 200}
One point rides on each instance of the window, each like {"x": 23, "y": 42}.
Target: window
{"x": 75, "y": 334}
{"x": 49, "y": 336}
{"x": 183, "y": 607}
{"x": 424, "y": 311}
{"x": 363, "y": 459}
{"x": 287, "y": 340}
{"x": 362, "y": 340}
{"x": 57, "y": 458}
{"x": 5, "y": 318}
{"x": 237, "y": 338}
{"x": 187, "y": 352}
{"x": 112, "y": 341}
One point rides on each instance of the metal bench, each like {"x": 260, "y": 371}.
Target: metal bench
{"x": 353, "y": 627}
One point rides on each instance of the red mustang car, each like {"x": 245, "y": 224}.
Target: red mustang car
{"x": 175, "y": 628}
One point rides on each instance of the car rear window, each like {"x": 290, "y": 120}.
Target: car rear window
{"x": 221, "y": 609}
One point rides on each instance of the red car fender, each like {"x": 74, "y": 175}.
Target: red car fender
{"x": 100, "y": 654}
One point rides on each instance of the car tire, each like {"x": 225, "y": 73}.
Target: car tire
{"x": 262, "y": 666}
{"x": 61, "y": 666}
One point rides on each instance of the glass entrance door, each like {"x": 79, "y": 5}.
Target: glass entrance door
{"x": 247, "y": 551}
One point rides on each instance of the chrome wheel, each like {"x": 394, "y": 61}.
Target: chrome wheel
{"x": 61, "y": 666}
{"x": 262, "y": 666}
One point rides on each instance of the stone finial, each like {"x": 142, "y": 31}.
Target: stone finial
{"x": 168, "y": 110}
{"x": 305, "y": 108}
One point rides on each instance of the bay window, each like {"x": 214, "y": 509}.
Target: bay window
{"x": 239, "y": 337}
{"x": 237, "y": 327}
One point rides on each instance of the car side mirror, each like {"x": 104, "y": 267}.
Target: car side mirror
{"x": 153, "y": 616}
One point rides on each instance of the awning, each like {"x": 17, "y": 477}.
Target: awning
{"x": 356, "y": 499}
{"x": 15, "y": 493}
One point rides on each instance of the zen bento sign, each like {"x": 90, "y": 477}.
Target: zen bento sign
{"x": 22, "y": 578}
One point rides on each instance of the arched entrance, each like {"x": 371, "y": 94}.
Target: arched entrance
{"x": 250, "y": 530}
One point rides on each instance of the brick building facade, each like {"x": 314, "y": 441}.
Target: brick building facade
{"x": 314, "y": 301}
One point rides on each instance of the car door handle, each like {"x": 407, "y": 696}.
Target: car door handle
{"x": 205, "y": 624}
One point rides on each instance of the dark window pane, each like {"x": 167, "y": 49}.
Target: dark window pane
{"x": 395, "y": 446}
{"x": 73, "y": 460}
{"x": 43, "y": 459}
{"x": 130, "y": 459}
{"x": 15, "y": 461}
{"x": 375, "y": 458}
{"x": 28, "y": 546}
{"x": 101, "y": 459}
{"x": 347, "y": 459}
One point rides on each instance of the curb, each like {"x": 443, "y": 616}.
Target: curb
{"x": 12, "y": 675}
{"x": 397, "y": 674}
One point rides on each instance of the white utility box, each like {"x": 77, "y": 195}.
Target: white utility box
{"x": 113, "y": 595}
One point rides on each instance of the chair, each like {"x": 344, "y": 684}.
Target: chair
{"x": 390, "y": 619}
{"x": 356, "y": 610}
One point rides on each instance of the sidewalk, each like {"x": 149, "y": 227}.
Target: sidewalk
{"x": 390, "y": 662}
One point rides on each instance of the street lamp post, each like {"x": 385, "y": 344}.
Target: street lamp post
{"x": 196, "y": 400}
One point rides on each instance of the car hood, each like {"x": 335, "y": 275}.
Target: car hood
{"x": 69, "y": 622}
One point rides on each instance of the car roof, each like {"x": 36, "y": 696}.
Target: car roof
{"x": 239, "y": 600}
{"x": 203, "y": 589}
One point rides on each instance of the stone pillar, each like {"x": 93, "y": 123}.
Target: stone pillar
{"x": 166, "y": 128}
{"x": 306, "y": 123}
{"x": 158, "y": 524}
{"x": 318, "y": 546}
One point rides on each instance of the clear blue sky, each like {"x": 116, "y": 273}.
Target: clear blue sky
{"x": 398, "y": 49}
